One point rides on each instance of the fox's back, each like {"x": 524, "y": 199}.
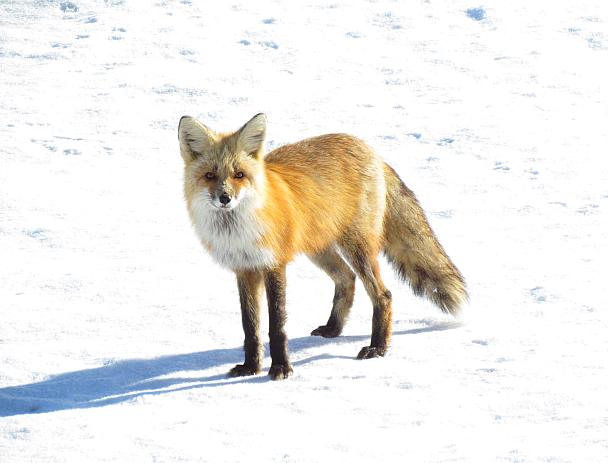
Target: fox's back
{"x": 325, "y": 153}
{"x": 335, "y": 166}
{"x": 322, "y": 187}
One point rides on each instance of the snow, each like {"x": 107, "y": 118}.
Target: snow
{"x": 117, "y": 330}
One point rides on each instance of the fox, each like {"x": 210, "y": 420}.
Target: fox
{"x": 330, "y": 198}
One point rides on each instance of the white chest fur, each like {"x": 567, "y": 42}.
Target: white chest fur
{"x": 232, "y": 236}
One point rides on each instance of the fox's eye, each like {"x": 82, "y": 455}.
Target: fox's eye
{"x": 239, "y": 175}
{"x": 209, "y": 175}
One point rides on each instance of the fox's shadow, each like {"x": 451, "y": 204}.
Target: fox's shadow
{"x": 128, "y": 379}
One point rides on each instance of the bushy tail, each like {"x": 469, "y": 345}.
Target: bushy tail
{"x": 412, "y": 248}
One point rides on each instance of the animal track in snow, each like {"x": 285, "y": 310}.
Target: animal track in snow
{"x": 445, "y": 141}
{"x": 447, "y": 214}
{"x": 48, "y": 144}
{"x": 68, "y": 7}
{"x": 481, "y": 342}
{"x": 539, "y": 294}
{"x": 588, "y": 209}
{"x": 269, "y": 44}
{"x": 388, "y": 20}
{"x": 477, "y": 14}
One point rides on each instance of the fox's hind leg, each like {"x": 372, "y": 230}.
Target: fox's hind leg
{"x": 363, "y": 258}
{"x": 331, "y": 263}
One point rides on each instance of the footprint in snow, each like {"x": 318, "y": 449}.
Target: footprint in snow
{"x": 559, "y": 203}
{"x": 68, "y": 7}
{"x": 269, "y": 44}
{"x": 39, "y": 234}
{"x": 188, "y": 54}
{"x": 119, "y": 30}
{"x": 476, "y": 14}
{"x": 595, "y": 42}
{"x": 388, "y": 20}
{"x": 588, "y": 209}
{"x": 48, "y": 144}
{"x": 539, "y": 294}
{"x": 447, "y": 214}
{"x": 481, "y": 342}
{"x": 487, "y": 370}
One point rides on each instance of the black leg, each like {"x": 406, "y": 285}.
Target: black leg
{"x": 250, "y": 285}
{"x": 331, "y": 263}
{"x": 275, "y": 293}
{"x": 365, "y": 264}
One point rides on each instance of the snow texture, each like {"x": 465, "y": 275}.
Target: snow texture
{"x": 117, "y": 329}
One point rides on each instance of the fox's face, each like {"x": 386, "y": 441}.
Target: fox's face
{"x": 222, "y": 170}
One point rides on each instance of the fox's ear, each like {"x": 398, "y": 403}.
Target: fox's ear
{"x": 250, "y": 137}
{"x": 195, "y": 138}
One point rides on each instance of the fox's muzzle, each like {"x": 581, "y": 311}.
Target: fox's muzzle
{"x": 224, "y": 198}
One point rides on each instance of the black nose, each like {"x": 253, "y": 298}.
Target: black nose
{"x": 224, "y": 199}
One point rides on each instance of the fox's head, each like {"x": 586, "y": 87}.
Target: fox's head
{"x": 222, "y": 169}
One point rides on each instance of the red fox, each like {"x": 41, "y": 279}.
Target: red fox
{"x": 329, "y": 197}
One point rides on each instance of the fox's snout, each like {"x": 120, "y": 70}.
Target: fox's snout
{"x": 224, "y": 198}
{"x": 225, "y": 194}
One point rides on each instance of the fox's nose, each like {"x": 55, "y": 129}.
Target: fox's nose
{"x": 224, "y": 199}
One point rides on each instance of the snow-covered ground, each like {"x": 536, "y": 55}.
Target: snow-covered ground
{"x": 117, "y": 330}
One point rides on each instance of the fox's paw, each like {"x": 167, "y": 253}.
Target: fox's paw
{"x": 327, "y": 331}
{"x": 280, "y": 371}
{"x": 243, "y": 370}
{"x": 370, "y": 352}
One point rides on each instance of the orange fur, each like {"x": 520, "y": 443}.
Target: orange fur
{"x": 313, "y": 194}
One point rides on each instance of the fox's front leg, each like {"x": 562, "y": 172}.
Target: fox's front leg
{"x": 250, "y": 286}
{"x": 275, "y": 282}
